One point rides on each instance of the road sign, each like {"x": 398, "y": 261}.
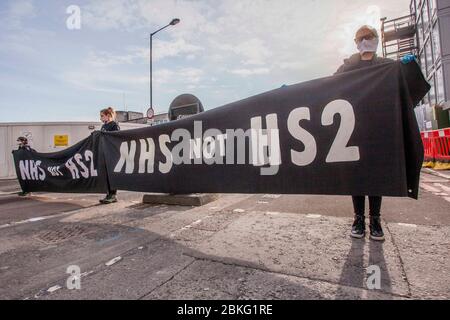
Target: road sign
{"x": 150, "y": 113}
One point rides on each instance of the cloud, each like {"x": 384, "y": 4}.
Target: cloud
{"x": 251, "y": 52}
{"x": 221, "y": 50}
{"x": 186, "y": 76}
{"x": 282, "y": 36}
{"x": 109, "y": 80}
{"x": 161, "y": 50}
{"x": 17, "y": 12}
{"x": 112, "y": 14}
{"x": 103, "y": 59}
{"x": 164, "y": 49}
{"x": 103, "y": 81}
{"x": 250, "y": 72}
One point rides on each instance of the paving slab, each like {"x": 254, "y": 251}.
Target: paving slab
{"x": 212, "y": 280}
{"x": 429, "y": 210}
{"x": 298, "y": 245}
{"x": 425, "y": 254}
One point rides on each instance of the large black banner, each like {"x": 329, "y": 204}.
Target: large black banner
{"x": 80, "y": 168}
{"x": 350, "y": 134}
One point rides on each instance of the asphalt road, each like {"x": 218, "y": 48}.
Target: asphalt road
{"x": 238, "y": 247}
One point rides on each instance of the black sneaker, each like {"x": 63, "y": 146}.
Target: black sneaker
{"x": 359, "y": 227}
{"x": 109, "y": 199}
{"x": 376, "y": 231}
{"x": 23, "y": 194}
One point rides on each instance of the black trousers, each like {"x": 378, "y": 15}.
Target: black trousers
{"x": 110, "y": 192}
{"x": 359, "y": 204}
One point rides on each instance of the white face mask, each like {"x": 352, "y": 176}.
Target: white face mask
{"x": 368, "y": 45}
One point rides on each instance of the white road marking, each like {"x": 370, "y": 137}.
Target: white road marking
{"x": 439, "y": 174}
{"x": 189, "y": 226}
{"x": 429, "y": 188}
{"x": 113, "y": 261}
{"x": 313, "y": 216}
{"x": 272, "y": 196}
{"x": 262, "y": 202}
{"x": 7, "y": 193}
{"x": 443, "y": 187}
{"x": 35, "y": 219}
{"x": 85, "y": 274}
{"x": 272, "y": 213}
{"x": 53, "y": 289}
{"x": 238, "y": 210}
{"x": 407, "y": 225}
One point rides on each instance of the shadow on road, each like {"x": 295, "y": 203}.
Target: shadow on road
{"x": 354, "y": 273}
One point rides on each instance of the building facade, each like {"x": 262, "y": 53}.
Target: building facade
{"x": 159, "y": 119}
{"x": 425, "y": 33}
{"x": 433, "y": 46}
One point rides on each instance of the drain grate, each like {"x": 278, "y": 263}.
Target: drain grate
{"x": 61, "y": 233}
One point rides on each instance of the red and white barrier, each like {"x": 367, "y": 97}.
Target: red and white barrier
{"x": 437, "y": 149}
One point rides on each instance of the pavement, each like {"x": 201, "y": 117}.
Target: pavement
{"x": 237, "y": 247}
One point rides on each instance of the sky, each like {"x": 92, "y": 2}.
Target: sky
{"x": 65, "y": 60}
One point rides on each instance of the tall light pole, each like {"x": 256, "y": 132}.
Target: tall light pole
{"x": 172, "y": 23}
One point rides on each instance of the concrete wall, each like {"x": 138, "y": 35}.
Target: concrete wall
{"x": 41, "y": 138}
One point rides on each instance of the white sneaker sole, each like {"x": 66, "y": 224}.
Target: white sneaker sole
{"x": 357, "y": 236}
{"x": 377, "y": 238}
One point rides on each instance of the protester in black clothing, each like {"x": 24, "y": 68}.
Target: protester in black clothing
{"x": 367, "y": 41}
{"x": 23, "y": 145}
{"x": 107, "y": 116}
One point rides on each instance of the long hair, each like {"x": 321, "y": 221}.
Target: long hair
{"x": 109, "y": 112}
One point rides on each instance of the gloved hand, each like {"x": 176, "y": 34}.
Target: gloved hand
{"x": 408, "y": 58}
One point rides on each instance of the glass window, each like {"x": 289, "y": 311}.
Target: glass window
{"x": 440, "y": 94}
{"x": 432, "y": 92}
{"x": 426, "y": 99}
{"x": 418, "y": 3}
{"x": 412, "y": 6}
{"x": 432, "y": 8}
{"x": 420, "y": 32}
{"x": 426, "y": 17}
{"x": 429, "y": 56}
{"x": 423, "y": 63}
{"x": 436, "y": 42}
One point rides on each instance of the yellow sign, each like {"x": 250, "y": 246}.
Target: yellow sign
{"x": 61, "y": 140}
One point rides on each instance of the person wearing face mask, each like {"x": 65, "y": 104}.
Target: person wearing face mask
{"x": 367, "y": 41}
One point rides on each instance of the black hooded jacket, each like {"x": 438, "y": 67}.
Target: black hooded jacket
{"x": 355, "y": 62}
{"x": 110, "y": 126}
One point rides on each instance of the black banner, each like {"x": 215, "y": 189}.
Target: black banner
{"x": 350, "y": 134}
{"x": 78, "y": 169}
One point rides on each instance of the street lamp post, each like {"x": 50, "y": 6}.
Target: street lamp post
{"x": 172, "y": 23}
